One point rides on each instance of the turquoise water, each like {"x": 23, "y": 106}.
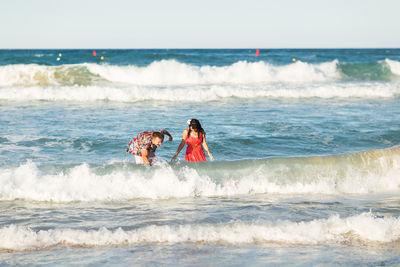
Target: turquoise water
{"x": 306, "y": 170}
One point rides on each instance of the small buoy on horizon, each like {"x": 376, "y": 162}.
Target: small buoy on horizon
{"x": 58, "y": 59}
{"x": 59, "y": 55}
{"x": 257, "y": 52}
{"x": 293, "y": 59}
{"x": 101, "y": 57}
{"x": 94, "y": 53}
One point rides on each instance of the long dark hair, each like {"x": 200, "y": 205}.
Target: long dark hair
{"x": 196, "y": 125}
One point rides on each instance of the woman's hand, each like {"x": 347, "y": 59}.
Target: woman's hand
{"x": 167, "y": 133}
{"x": 145, "y": 157}
{"x": 181, "y": 145}
{"x": 174, "y": 158}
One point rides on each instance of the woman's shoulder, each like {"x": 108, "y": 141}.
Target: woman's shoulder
{"x": 185, "y": 133}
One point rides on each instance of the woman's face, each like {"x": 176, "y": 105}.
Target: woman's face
{"x": 157, "y": 141}
{"x": 192, "y": 129}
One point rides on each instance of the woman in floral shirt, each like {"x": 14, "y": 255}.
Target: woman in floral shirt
{"x": 144, "y": 145}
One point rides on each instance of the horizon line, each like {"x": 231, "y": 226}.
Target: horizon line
{"x": 198, "y": 48}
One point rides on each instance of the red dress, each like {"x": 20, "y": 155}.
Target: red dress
{"x": 194, "y": 150}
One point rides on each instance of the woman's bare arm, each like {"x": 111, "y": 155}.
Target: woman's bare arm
{"x": 145, "y": 155}
{"x": 169, "y": 135}
{"x": 206, "y": 148}
{"x": 181, "y": 145}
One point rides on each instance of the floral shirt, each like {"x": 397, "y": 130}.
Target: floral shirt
{"x": 142, "y": 141}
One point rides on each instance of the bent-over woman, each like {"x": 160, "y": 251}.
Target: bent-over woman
{"x": 144, "y": 145}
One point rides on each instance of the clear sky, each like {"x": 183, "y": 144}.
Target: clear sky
{"x": 199, "y": 24}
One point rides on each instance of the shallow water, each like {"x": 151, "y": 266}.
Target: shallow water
{"x": 306, "y": 170}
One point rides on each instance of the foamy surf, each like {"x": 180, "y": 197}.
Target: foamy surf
{"x": 166, "y": 72}
{"x": 171, "y": 72}
{"x": 364, "y": 228}
{"x": 375, "y": 171}
{"x": 70, "y": 194}
{"x": 394, "y": 66}
{"x": 175, "y": 73}
{"x": 170, "y": 80}
{"x": 131, "y": 94}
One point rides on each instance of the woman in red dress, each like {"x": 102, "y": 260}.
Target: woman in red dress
{"x": 195, "y": 139}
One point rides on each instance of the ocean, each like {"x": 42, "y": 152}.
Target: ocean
{"x": 305, "y": 141}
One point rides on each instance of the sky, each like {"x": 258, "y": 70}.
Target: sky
{"x": 199, "y": 24}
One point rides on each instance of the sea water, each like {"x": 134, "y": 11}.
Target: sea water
{"x": 306, "y": 148}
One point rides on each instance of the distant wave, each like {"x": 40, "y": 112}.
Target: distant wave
{"x": 363, "y": 229}
{"x": 394, "y": 66}
{"x": 171, "y": 72}
{"x": 165, "y": 72}
{"x": 38, "y": 75}
{"x": 374, "y": 171}
{"x": 132, "y": 93}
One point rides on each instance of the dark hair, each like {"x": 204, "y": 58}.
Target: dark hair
{"x": 157, "y": 134}
{"x": 196, "y": 125}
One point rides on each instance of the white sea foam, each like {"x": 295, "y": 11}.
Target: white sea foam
{"x": 199, "y": 93}
{"x": 169, "y": 80}
{"x": 361, "y": 173}
{"x": 174, "y": 73}
{"x": 394, "y": 66}
{"x": 171, "y": 72}
{"x": 364, "y": 228}
{"x": 167, "y": 72}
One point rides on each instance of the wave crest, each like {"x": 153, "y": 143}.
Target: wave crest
{"x": 374, "y": 171}
{"x": 198, "y": 94}
{"x": 39, "y": 75}
{"x": 174, "y": 73}
{"x": 363, "y": 228}
{"x": 171, "y": 72}
{"x": 166, "y": 72}
{"x": 394, "y": 66}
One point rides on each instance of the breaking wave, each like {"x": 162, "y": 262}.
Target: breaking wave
{"x": 364, "y": 228}
{"x": 374, "y": 171}
{"x": 165, "y": 72}
{"x": 170, "y": 80}
{"x": 174, "y": 73}
{"x": 198, "y": 94}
